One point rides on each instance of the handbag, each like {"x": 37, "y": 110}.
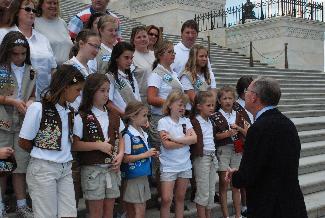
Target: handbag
{"x": 8, "y": 165}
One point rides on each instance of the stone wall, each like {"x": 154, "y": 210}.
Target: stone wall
{"x": 305, "y": 40}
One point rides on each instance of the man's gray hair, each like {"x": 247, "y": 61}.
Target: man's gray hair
{"x": 268, "y": 90}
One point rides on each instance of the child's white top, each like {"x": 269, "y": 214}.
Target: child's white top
{"x": 31, "y": 126}
{"x": 178, "y": 159}
{"x": 114, "y": 94}
{"x": 103, "y": 120}
{"x": 164, "y": 88}
{"x": 230, "y": 117}
{"x": 207, "y": 132}
{"x": 187, "y": 85}
{"x": 85, "y": 71}
{"x": 19, "y": 74}
{"x": 242, "y": 103}
{"x": 127, "y": 139}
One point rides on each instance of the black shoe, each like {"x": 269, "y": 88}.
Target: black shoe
{"x": 216, "y": 198}
{"x": 244, "y": 213}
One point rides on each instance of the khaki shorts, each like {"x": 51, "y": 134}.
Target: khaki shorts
{"x": 51, "y": 189}
{"x": 137, "y": 190}
{"x": 10, "y": 139}
{"x": 172, "y": 176}
{"x": 100, "y": 183}
{"x": 227, "y": 157}
{"x": 205, "y": 172}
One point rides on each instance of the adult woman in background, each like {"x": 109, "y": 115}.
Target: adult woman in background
{"x": 142, "y": 60}
{"x": 54, "y": 28}
{"x": 155, "y": 36}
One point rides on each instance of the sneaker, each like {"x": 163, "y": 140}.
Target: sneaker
{"x": 24, "y": 212}
{"x": 244, "y": 213}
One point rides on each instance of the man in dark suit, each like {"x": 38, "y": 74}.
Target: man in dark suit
{"x": 269, "y": 166}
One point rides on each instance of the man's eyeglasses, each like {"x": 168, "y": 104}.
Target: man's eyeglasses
{"x": 152, "y": 34}
{"x": 97, "y": 47}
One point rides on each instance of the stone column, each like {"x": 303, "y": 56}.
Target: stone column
{"x": 305, "y": 40}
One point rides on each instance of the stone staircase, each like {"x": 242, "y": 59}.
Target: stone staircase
{"x": 303, "y": 100}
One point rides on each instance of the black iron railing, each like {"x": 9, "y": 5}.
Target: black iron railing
{"x": 264, "y": 9}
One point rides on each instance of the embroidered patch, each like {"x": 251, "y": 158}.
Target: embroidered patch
{"x": 5, "y": 124}
{"x": 167, "y": 77}
{"x": 106, "y": 58}
{"x": 121, "y": 84}
{"x": 135, "y": 139}
{"x": 47, "y": 138}
{"x": 7, "y": 85}
{"x": 198, "y": 83}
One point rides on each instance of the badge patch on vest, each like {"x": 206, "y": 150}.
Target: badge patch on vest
{"x": 167, "y": 77}
{"x": 106, "y": 58}
{"x": 121, "y": 84}
{"x": 6, "y": 82}
{"x": 135, "y": 140}
{"x": 198, "y": 83}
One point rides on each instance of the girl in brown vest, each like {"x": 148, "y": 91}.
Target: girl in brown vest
{"x": 96, "y": 130}
{"x": 230, "y": 131}
{"x": 46, "y": 133}
{"x": 205, "y": 163}
{"x": 17, "y": 83}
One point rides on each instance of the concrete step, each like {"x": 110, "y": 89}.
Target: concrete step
{"x": 309, "y": 123}
{"x": 299, "y": 96}
{"x": 315, "y": 204}
{"x": 312, "y": 135}
{"x": 312, "y": 182}
{"x": 309, "y": 113}
{"x": 284, "y": 101}
{"x": 237, "y": 73}
{"x": 312, "y": 164}
{"x": 301, "y": 107}
{"x": 233, "y": 80}
{"x": 312, "y": 148}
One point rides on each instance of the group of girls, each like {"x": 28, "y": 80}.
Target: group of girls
{"x": 104, "y": 142}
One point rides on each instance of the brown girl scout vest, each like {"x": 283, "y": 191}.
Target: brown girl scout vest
{"x": 197, "y": 148}
{"x": 221, "y": 125}
{"x": 92, "y": 132}
{"x": 10, "y": 119}
{"x": 237, "y": 107}
{"x": 50, "y": 132}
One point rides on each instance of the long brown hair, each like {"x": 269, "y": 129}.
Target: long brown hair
{"x": 92, "y": 84}
{"x": 191, "y": 65}
{"x": 65, "y": 76}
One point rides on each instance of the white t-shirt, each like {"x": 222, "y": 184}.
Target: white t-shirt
{"x": 56, "y": 31}
{"x": 115, "y": 96}
{"x": 19, "y": 74}
{"x": 242, "y": 103}
{"x": 207, "y": 132}
{"x": 42, "y": 57}
{"x": 181, "y": 58}
{"x": 127, "y": 139}
{"x": 164, "y": 88}
{"x": 178, "y": 159}
{"x": 31, "y": 126}
{"x": 143, "y": 63}
{"x": 85, "y": 71}
{"x": 230, "y": 117}
{"x": 103, "y": 120}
